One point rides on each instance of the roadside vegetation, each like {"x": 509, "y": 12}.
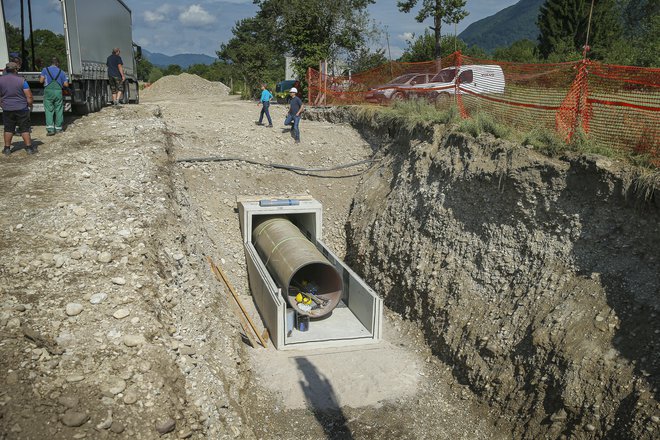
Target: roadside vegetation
{"x": 415, "y": 114}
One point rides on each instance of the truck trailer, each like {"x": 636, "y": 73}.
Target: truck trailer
{"x": 82, "y": 34}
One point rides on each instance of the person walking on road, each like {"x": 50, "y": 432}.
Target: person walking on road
{"x": 296, "y": 108}
{"x": 16, "y": 102}
{"x": 116, "y": 75}
{"x": 55, "y": 80}
{"x": 264, "y": 101}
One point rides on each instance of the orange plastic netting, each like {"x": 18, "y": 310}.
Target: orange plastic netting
{"x": 616, "y": 106}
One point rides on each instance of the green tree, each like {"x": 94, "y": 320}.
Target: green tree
{"x": 172, "y": 69}
{"x": 563, "y": 26}
{"x": 199, "y": 70}
{"x": 144, "y": 68}
{"x": 47, "y": 44}
{"x": 155, "y": 75}
{"x": 315, "y": 30}
{"x": 363, "y": 59}
{"x": 448, "y": 11}
{"x": 254, "y": 53}
{"x": 521, "y": 51}
{"x": 639, "y": 43}
{"x": 422, "y": 48}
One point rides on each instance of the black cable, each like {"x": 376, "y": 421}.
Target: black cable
{"x": 296, "y": 169}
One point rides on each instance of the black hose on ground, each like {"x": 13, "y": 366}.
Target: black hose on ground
{"x": 296, "y": 169}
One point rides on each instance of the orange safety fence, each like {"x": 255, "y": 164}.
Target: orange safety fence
{"x": 616, "y": 106}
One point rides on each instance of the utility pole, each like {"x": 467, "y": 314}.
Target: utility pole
{"x": 389, "y": 53}
{"x": 586, "y": 43}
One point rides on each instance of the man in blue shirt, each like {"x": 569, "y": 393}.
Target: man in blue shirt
{"x": 296, "y": 107}
{"x": 116, "y": 75}
{"x": 264, "y": 102}
{"x": 16, "y": 101}
{"x": 55, "y": 80}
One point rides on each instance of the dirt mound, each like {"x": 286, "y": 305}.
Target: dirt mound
{"x": 183, "y": 84}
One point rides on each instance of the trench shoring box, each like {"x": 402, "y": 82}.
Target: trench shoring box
{"x": 356, "y": 320}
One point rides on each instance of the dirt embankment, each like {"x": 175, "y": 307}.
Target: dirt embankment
{"x": 536, "y": 278}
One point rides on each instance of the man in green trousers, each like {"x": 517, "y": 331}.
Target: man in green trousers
{"x": 54, "y": 80}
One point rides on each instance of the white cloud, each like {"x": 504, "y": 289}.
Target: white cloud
{"x": 406, "y": 36}
{"x": 153, "y": 17}
{"x": 196, "y": 15}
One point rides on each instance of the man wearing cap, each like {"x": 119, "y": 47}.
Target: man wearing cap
{"x": 16, "y": 102}
{"x": 55, "y": 80}
{"x": 296, "y": 107}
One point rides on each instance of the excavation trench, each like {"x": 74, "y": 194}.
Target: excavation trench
{"x": 536, "y": 279}
{"x": 523, "y": 288}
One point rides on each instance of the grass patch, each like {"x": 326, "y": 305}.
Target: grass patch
{"x": 408, "y": 115}
{"x": 545, "y": 141}
{"x": 581, "y": 143}
{"x": 484, "y": 123}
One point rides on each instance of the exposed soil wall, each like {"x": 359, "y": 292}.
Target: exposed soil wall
{"x": 535, "y": 278}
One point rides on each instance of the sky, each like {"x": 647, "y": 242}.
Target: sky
{"x": 199, "y": 26}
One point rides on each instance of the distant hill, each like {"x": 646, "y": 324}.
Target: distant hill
{"x": 503, "y": 28}
{"x": 184, "y": 60}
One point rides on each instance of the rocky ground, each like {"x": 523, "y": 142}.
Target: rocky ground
{"x": 111, "y": 324}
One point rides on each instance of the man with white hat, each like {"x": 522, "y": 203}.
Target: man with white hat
{"x": 16, "y": 101}
{"x": 296, "y": 108}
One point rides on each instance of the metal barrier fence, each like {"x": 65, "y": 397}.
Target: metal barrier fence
{"x": 616, "y": 106}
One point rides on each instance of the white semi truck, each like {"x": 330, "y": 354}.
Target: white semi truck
{"x": 83, "y": 32}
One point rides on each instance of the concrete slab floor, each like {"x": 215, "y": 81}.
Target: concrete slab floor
{"x": 354, "y": 376}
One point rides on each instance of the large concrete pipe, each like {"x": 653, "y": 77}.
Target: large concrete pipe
{"x": 296, "y": 264}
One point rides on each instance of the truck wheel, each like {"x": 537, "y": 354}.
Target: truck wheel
{"x": 125, "y": 99}
{"x": 81, "y": 109}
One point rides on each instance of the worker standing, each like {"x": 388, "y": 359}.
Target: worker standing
{"x": 296, "y": 107}
{"x": 264, "y": 101}
{"x": 55, "y": 80}
{"x": 116, "y": 75}
{"x": 16, "y": 101}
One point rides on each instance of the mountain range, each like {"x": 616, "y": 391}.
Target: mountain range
{"x": 184, "y": 60}
{"x": 506, "y": 26}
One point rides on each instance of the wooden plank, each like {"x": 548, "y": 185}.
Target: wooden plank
{"x": 238, "y": 301}
{"x": 241, "y": 318}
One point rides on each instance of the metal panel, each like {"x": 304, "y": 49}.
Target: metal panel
{"x": 94, "y": 28}
{"x": 4, "y": 51}
{"x": 266, "y": 296}
{"x": 360, "y": 298}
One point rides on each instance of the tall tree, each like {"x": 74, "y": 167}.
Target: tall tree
{"x": 564, "y": 24}
{"x": 315, "y": 30}
{"x": 521, "y": 51}
{"x": 363, "y": 59}
{"x": 448, "y": 11}
{"x": 254, "y": 51}
{"x": 422, "y": 48}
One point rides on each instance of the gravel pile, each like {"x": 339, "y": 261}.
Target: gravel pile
{"x": 184, "y": 84}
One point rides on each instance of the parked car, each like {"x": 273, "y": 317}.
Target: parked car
{"x": 398, "y": 88}
{"x": 472, "y": 79}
